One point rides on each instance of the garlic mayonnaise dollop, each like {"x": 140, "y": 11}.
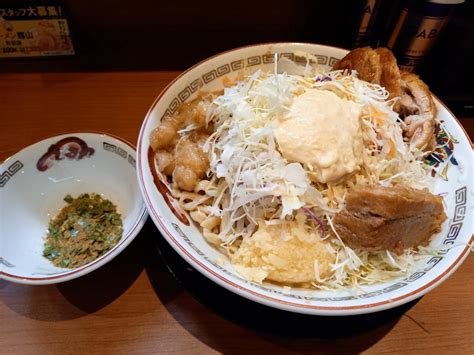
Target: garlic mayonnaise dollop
{"x": 323, "y": 132}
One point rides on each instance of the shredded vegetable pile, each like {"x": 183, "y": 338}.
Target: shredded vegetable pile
{"x": 249, "y": 180}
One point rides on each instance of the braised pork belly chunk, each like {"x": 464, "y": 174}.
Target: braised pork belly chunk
{"x": 389, "y": 218}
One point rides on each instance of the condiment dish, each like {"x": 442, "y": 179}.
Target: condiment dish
{"x": 33, "y": 185}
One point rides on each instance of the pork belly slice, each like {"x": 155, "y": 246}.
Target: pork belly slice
{"x": 366, "y": 61}
{"x": 416, "y": 105}
{"x": 418, "y": 108}
{"x": 389, "y": 218}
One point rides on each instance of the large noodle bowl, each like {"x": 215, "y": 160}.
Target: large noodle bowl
{"x": 270, "y": 207}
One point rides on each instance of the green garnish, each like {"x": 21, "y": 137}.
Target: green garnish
{"x": 85, "y": 229}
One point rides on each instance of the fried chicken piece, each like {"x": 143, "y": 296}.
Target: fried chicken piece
{"x": 366, "y": 61}
{"x": 380, "y": 218}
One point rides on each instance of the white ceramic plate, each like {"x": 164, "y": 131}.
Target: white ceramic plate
{"x": 187, "y": 240}
{"x": 33, "y": 184}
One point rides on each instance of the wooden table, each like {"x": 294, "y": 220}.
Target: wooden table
{"x": 134, "y": 304}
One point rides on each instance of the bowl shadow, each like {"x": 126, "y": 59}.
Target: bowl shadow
{"x": 101, "y": 287}
{"x": 259, "y": 324}
{"x": 82, "y": 296}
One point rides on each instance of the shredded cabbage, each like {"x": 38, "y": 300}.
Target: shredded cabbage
{"x": 252, "y": 180}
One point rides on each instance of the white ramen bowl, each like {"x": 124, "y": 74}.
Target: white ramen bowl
{"x": 187, "y": 240}
{"x": 33, "y": 184}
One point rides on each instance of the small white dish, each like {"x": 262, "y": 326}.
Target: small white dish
{"x": 33, "y": 184}
{"x": 187, "y": 240}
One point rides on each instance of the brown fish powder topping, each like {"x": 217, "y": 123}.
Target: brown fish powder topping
{"x": 85, "y": 229}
